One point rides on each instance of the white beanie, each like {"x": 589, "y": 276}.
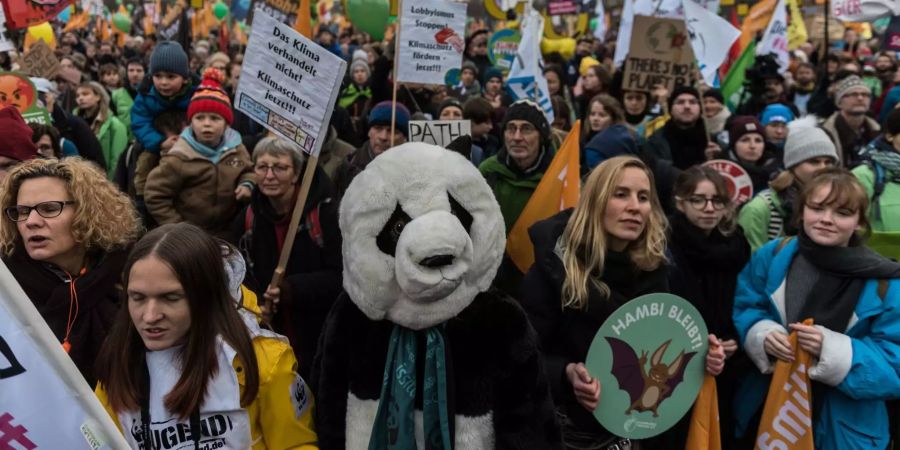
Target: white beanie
{"x": 806, "y": 141}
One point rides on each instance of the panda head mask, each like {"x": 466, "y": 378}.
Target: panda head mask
{"x": 422, "y": 236}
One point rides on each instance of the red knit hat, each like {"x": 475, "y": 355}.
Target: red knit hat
{"x": 16, "y": 136}
{"x": 210, "y": 97}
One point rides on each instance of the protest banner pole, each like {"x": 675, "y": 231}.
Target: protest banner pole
{"x": 396, "y": 82}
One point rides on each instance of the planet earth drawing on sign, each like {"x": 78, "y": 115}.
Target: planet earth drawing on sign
{"x": 663, "y": 37}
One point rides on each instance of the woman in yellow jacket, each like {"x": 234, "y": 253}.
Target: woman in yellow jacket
{"x": 182, "y": 369}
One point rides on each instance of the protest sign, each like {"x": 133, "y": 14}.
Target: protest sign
{"x": 662, "y": 334}
{"x": 44, "y": 400}
{"x": 864, "y": 10}
{"x": 431, "y": 41}
{"x": 438, "y": 132}
{"x": 5, "y": 44}
{"x": 562, "y": 7}
{"x": 17, "y": 90}
{"x": 660, "y": 54}
{"x": 289, "y": 83}
{"x": 737, "y": 180}
{"x": 40, "y": 61}
{"x": 502, "y": 48}
{"x": 25, "y": 13}
{"x": 891, "y": 40}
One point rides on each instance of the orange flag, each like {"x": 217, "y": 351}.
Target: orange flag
{"x": 705, "y": 433}
{"x": 787, "y": 417}
{"x": 303, "y": 23}
{"x": 559, "y": 189}
{"x": 757, "y": 20}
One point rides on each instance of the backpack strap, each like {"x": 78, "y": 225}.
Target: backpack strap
{"x": 878, "y": 188}
{"x": 776, "y": 220}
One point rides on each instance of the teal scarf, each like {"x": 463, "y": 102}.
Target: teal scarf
{"x": 230, "y": 140}
{"x": 394, "y": 427}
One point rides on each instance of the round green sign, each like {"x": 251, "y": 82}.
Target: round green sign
{"x": 502, "y": 48}
{"x": 649, "y": 356}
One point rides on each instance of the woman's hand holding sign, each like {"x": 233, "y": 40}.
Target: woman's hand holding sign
{"x": 715, "y": 357}
{"x": 587, "y": 388}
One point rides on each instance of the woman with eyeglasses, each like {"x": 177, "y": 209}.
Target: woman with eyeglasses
{"x": 312, "y": 280}
{"x": 707, "y": 253}
{"x": 65, "y": 237}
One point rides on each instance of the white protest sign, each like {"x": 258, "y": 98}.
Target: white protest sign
{"x": 432, "y": 40}
{"x": 288, "y": 84}
{"x": 438, "y": 132}
{"x": 5, "y": 44}
{"x": 44, "y": 401}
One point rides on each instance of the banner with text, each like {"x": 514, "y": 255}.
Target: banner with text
{"x": 44, "y": 400}
{"x": 660, "y": 54}
{"x": 438, "y": 132}
{"x": 289, "y": 83}
{"x": 432, "y": 40}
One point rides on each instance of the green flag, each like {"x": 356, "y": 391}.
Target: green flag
{"x": 734, "y": 80}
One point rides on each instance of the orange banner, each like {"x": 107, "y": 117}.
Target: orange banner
{"x": 705, "y": 432}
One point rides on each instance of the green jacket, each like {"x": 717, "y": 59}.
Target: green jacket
{"x": 122, "y": 101}
{"x": 757, "y": 222}
{"x": 113, "y": 137}
{"x": 512, "y": 191}
{"x": 886, "y": 216}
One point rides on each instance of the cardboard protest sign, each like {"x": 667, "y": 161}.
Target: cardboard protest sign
{"x": 283, "y": 11}
{"x": 44, "y": 400}
{"x": 737, "y": 180}
{"x": 18, "y": 91}
{"x": 660, "y": 54}
{"x": 431, "y": 41}
{"x": 438, "y": 132}
{"x": 25, "y": 13}
{"x": 289, "y": 83}
{"x": 502, "y": 48}
{"x": 658, "y": 334}
{"x": 40, "y": 61}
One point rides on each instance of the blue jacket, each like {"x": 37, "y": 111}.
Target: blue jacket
{"x": 890, "y": 101}
{"x": 614, "y": 141}
{"x": 858, "y": 366}
{"x": 149, "y": 104}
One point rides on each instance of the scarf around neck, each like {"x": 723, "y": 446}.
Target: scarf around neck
{"x": 394, "y": 427}
{"x": 230, "y": 139}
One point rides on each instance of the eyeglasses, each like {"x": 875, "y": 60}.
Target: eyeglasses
{"x": 525, "y": 129}
{"x": 47, "y": 210}
{"x": 278, "y": 169}
{"x": 699, "y": 203}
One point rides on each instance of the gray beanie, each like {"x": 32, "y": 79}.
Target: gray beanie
{"x": 360, "y": 64}
{"x": 168, "y": 56}
{"x": 807, "y": 142}
{"x": 851, "y": 83}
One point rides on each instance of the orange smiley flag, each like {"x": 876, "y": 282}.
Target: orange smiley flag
{"x": 787, "y": 417}
{"x": 705, "y": 432}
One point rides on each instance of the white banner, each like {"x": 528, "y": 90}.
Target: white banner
{"x": 775, "y": 38}
{"x": 432, "y": 40}
{"x": 438, "y": 132}
{"x": 289, "y": 83}
{"x": 864, "y": 10}
{"x": 526, "y": 79}
{"x": 44, "y": 401}
{"x": 711, "y": 38}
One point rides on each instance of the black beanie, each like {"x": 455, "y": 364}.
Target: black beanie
{"x": 529, "y": 111}
{"x": 683, "y": 89}
{"x": 168, "y": 56}
{"x": 716, "y": 94}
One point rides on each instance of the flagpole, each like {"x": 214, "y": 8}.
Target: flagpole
{"x": 827, "y": 44}
{"x": 394, "y": 73}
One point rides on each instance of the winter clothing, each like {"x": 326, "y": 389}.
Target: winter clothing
{"x": 354, "y": 98}
{"x": 768, "y": 216}
{"x": 742, "y": 125}
{"x": 196, "y": 184}
{"x": 281, "y": 415}
{"x": 121, "y": 102}
{"x": 381, "y": 115}
{"x": 850, "y": 84}
{"x": 614, "y": 141}
{"x": 855, "y": 372}
{"x": 361, "y": 64}
{"x": 807, "y": 143}
{"x": 74, "y": 129}
{"x": 682, "y": 89}
{"x": 334, "y": 151}
{"x": 761, "y": 171}
{"x": 565, "y": 333}
{"x": 17, "y": 136}
{"x": 490, "y": 73}
{"x": 312, "y": 279}
{"x": 354, "y": 163}
{"x": 149, "y": 104}
{"x": 776, "y": 112}
{"x": 512, "y": 186}
{"x": 716, "y": 123}
{"x": 883, "y": 168}
{"x": 683, "y": 147}
{"x": 715, "y": 94}
{"x": 113, "y": 138}
{"x": 210, "y": 97}
{"x": 850, "y": 142}
{"x": 99, "y": 296}
{"x": 530, "y": 112}
{"x": 168, "y": 56}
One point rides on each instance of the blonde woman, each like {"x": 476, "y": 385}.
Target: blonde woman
{"x": 589, "y": 261}
{"x": 64, "y": 236}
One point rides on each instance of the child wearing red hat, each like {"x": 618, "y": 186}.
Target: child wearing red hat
{"x": 208, "y": 171}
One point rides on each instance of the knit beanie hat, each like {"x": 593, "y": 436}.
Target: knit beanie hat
{"x": 806, "y": 141}
{"x": 448, "y": 103}
{"x": 210, "y": 97}
{"x": 381, "y": 115}
{"x": 743, "y": 125}
{"x": 469, "y": 65}
{"x": 849, "y": 84}
{"x": 16, "y": 136}
{"x": 777, "y": 112}
{"x": 682, "y": 89}
{"x": 360, "y": 64}
{"x": 492, "y": 72}
{"x": 586, "y": 63}
{"x": 530, "y": 112}
{"x": 360, "y": 54}
{"x": 714, "y": 93}
{"x": 168, "y": 56}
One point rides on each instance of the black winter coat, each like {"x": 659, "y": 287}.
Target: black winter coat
{"x": 313, "y": 275}
{"x": 99, "y": 297}
{"x": 566, "y": 334}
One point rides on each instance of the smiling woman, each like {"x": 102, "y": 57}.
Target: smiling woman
{"x": 64, "y": 238}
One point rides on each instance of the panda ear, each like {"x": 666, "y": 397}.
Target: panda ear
{"x": 461, "y": 145}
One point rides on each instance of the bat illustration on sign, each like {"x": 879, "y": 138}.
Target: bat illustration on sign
{"x": 647, "y": 388}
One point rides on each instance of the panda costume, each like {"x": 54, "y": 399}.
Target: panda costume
{"x": 418, "y": 353}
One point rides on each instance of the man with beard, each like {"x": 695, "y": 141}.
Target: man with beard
{"x": 849, "y": 127}
{"x": 804, "y": 85}
{"x": 885, "y": 70}
{"x": 774, "y": 93}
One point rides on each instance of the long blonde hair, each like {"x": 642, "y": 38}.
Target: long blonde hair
{"x": 584, "y": 241}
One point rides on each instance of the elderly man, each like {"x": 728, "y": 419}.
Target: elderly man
{"x": 849, "y": 127}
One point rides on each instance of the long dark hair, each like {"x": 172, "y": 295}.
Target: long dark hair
{"x": 196, "y": 260}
